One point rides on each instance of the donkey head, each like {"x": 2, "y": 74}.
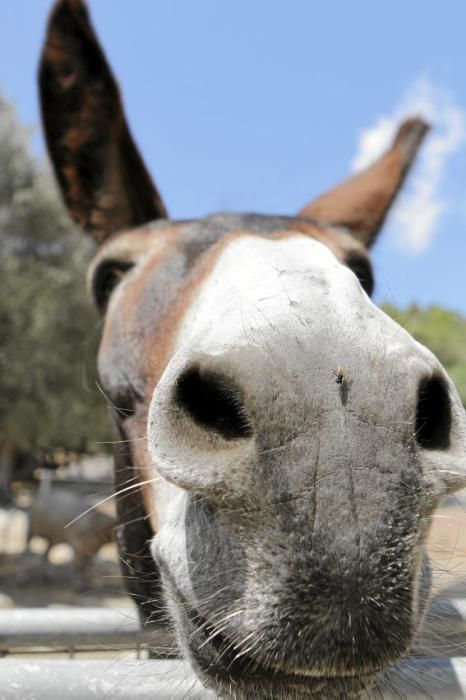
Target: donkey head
{"x": 289, "y": 442}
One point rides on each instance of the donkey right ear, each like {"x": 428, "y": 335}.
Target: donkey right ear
{"x": 100, "y": 171}
{"x": 360, "y": 203}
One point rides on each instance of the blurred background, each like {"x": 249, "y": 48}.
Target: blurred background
{"x": 240, "y": 106}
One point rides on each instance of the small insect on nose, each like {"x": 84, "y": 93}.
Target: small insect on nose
{"x": 433, "y": 414}
{"x": 214, "y": 402}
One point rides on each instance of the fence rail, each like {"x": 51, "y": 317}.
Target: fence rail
{"x": 90, "y": 679}
{"x": 77, "y": 628}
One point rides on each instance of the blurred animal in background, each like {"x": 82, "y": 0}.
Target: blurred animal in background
{"x": 60, "y": 515}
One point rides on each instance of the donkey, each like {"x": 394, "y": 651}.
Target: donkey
{"x": 281, "y": 444}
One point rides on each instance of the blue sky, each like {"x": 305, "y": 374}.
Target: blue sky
{"x": 261, "y": 105}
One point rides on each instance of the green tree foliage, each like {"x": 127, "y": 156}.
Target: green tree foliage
{"x": 444, "y": 332}
{"x": 48, "y": 329}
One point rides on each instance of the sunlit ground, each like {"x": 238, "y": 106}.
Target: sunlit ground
{"x": 447, "y": 547}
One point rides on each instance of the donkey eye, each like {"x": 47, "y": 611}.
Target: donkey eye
{"x": 363, "y": 271}
{"x": 106, "y": 278}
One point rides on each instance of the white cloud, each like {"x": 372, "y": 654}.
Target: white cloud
{"x": 418, "y": 212}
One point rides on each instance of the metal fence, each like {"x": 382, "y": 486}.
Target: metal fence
{"x": 437, "y": 668}
{"x": 71, "y": 630}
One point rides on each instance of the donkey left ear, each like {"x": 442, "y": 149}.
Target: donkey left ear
{"x": 103, "y": 178}
{"x": 361, "y": 202}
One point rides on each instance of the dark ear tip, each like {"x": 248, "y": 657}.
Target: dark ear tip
{"x": 66, "y": 15}
{"x": 410, "y": 135}
{"x": 71, "y": 52}
{"x": 69, "y": 6}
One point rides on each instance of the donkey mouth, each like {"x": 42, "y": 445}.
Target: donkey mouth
{"x": 219, "y": 663}
{"x": 223, "y": 665}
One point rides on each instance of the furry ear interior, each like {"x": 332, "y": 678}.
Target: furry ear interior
{"x": 362, "y": 202}
{"x": 103, "y": 178}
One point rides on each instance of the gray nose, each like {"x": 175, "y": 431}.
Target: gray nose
{"x": 216, "y": 402}
{"x": 403, "y": 398}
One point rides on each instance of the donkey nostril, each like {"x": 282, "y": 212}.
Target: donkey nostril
{"x": 214, "y": 402}
{"x": 433, "y": 416}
